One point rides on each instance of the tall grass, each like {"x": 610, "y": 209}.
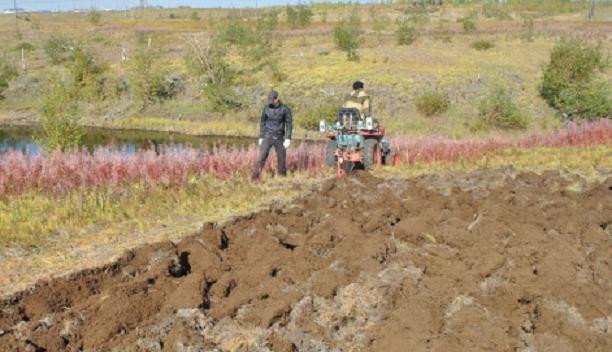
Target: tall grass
{"x": 438, "y": 148}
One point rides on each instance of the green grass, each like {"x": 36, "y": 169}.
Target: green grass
{"x": 35, "y": 219}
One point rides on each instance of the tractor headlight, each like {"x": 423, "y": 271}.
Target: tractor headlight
{"x": 369, "y": 123}
{"x": 322, "y": 126}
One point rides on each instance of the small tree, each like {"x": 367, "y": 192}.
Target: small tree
{"x": 142, "y": 76}
{"x": 207, "y": 61}
{"x": 346, "y": 36}
{"x": 406, "y": 33}
{"x": 85, "y": 73}
{"x": 59, "y": 118}
{"x": 299, "y": 16}
{"x": 58, "y": 49}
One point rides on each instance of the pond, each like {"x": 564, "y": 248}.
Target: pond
{"x": 24, "y": 138}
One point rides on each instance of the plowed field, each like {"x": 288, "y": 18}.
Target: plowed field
{"x": 487, "y": 261}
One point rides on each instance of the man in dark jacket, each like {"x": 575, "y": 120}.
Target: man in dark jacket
{"x": 274, "y": 131}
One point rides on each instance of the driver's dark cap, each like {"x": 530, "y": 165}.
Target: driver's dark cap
{"x": 272, "y": 96}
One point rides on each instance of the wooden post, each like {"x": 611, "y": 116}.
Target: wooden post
{"x": 23, "y": 63}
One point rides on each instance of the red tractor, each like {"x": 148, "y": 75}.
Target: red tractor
{"x": 356, "y": 143}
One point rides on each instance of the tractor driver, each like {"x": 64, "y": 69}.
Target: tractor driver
{"x": 360, "y": 100}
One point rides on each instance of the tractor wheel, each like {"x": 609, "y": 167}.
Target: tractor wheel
{"x": 330, "y": 157}
{"x": 372, "y": 154}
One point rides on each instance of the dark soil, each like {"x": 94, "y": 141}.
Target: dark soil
{"x": 487, "y": 261}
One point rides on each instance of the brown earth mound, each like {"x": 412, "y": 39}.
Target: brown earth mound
{"x": 487, "y": 261}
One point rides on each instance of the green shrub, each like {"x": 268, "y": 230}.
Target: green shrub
{"x": 253, "y": 40}
{"x": 172, "y": 16}
{"x": 7, "y": 73}
{"x": 406, "y": 33}
{"x": 299, "y": 16}
{"x": 432, "y": 103}
{"x": 59, "y": 118}
{"x": 144, "y": 76}
{"x": 498, "y": 110}
{"x": 221, "y": 98}
{"x": 236, "y": 32}
{"x": 482, "y": 45}
{"x": 468, "y": 23}
{"x": 166, "y": 86}
{"x": 570, "y": 83}
{"x": 195, "y": 16}
{"x": 58, "y": 49}
{"x": 85, "y": 74}
{"x": 325, "y": 110}
{"x": 268, "y": 21}
{"x": 591, "y": 101}
{"x": 346, "y": 36}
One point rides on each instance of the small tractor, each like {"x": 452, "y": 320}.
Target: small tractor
{"x": 356, "y": 143}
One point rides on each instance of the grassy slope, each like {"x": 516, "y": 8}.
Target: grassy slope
{"x": 315, "y": 70}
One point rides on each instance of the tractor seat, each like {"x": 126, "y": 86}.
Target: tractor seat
{"x": 348, "y": 117}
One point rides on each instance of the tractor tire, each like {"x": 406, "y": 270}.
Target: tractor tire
{"x": 330, "y": 150}
{"x": 372, "y": 154}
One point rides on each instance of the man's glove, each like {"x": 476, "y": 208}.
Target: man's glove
{"x": 260, "y": 141}
{"x": 287, "y": 143}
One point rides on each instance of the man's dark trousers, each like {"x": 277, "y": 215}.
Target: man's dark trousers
{"x": 264, "y": 150}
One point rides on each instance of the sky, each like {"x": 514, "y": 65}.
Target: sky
{"x": 66, "y": 5}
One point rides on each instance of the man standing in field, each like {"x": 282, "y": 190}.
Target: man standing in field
{"x": 359, "y": 100}
{"x": 274, "y": 131}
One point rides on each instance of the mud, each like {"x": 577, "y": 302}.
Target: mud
{"x": 487, "y": 261}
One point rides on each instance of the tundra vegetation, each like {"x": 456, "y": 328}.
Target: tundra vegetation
{"x": 209, "y": 69}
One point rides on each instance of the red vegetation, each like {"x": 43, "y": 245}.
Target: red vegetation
{"x": 60, "y": 172}
{"x": 437, "y": 148}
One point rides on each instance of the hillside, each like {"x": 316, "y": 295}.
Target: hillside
{"x": 151, "y": 48}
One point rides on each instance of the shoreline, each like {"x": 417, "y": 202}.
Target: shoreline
{"x": 15, "y": 124}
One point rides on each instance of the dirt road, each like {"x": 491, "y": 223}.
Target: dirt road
{"x": 487, "y": 261}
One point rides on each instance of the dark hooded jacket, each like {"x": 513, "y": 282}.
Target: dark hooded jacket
{"x": 276, "y": 122}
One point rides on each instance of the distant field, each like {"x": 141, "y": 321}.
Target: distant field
{"x": 315, "y": 74}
